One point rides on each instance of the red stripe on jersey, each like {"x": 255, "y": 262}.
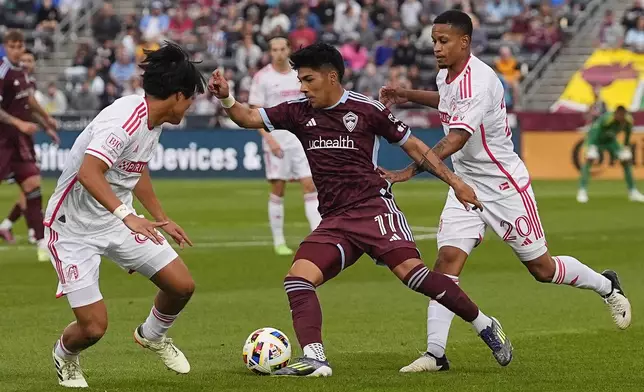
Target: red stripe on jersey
{"x": 461, "y": 88}
{"x": 101, "y": 154}
{"x": 458, "y": 74}
{"x": 469, "y": 82}
{"x": 60, "y": 202}
{"x": 498, "y": 164}
{"x": 137, "y": 123}
{"x": 133, "y": 115}
{"x": 53, "y": 237}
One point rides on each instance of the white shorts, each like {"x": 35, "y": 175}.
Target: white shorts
{"x": 77, "y": 259}
{"x": 292, "y": 166}
{"x": 514, "y": 219}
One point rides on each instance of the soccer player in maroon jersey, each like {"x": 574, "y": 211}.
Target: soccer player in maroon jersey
{"x": 28, "y": 63}
{"x": 17, "y": 156}
{"x": 340, "y": 131}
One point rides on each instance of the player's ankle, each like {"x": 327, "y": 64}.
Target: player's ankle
{"x": 315, "y": 351}
{"x": 6, "y": 224}
{"x": 481, "y": 322}
{"x": 435, "y": 350}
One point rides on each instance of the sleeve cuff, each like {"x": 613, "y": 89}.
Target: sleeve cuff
{"x": 462, "y": 126}
{"x": 404, "y": 138}
{"x": 267, "y": 121}
{"x": 100, "y": 155}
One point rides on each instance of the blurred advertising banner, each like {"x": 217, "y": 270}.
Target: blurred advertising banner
{"x": 215, "y": 153}
{"x": 559, "y": 155}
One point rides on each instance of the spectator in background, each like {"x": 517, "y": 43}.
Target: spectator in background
{"x": 413, "y": 74}
{"x": 349, "y": 80}
{"x": 180, "y": 28}
{"x": 498, "y": 11}
{"x": 540, "y": 38}
{"x": 410, "y": 11}
{"x": 520, "y": 27}
{"x": 47, "y": 20}
{"x": 366, "y": 30}
{"x": 217, "y": 41}
{"x": 479, "y": 37}
{"x": 130, "y": 40}
{"x": 370, "y": 81}
{"x": 385, "y": 51}
{"x": 302, "y": 36}
{"x": 84, "y": 100}
{"x": 347, "y": 17}
{"x": 611, "y": 34}
{"x": 255, "y": 7}
{"x": 379, "y": 14}
{"x": 635, "y": 37}
{"x": 312, "y": 20}
{"x": 275, "y": 19}
{"x": 123, "y": 69}
{"x": 133, "y": 87}
{"x": 329, "y": 36}
{"x": 397, "y": 79}
{"x": 508, "y": 95}
{"x": 325, "y": 11}
{"x": 53, "y": 101}
{"x": 507, "y": 65}
{"x": 355, "y": 55}
{"x": 629, "y": 20}
{"x": 96, "y": 83}
{"x": 106, "y": 25}
{"x": 248, "y": 54}
{"x": 111, "y": 94}
{"x": 154, "y": 26}
{"x": 405, "y": 53}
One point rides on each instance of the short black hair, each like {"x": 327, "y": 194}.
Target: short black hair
{"x": 458, "y": 19}
{"x": 318, "y": 56}
{"x": 620, "y": 108}
{"x": 168, "y": 71}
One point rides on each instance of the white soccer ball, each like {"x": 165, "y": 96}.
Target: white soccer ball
{"x": 266, "y": 350}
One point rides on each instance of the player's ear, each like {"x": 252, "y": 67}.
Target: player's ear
{"x": 465, "y": 41}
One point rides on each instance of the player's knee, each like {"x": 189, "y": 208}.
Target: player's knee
{"x": 94, "y": 330}
{"x": 30, "y": 185}
{"x": 307, "y": 270}
{"x": 278, "y": 187}
{"x": 308, "y": 186}
{"x": 185, "y": 289}
{"x": 542, "y": 271}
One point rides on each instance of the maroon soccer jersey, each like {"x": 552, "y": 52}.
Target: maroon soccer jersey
{"x": 15, "y": 89}
{"x": 341, "y": 143}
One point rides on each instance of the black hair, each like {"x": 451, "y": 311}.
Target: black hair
{"x": 168, "y": 71}
{"x": 620, "y": 108}
{"x": 318, "y": 56}
{"x": 30, "y": 52}
{"x": 457, "y": 19}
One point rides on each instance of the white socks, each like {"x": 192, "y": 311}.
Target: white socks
{"x": 315, "y": 351}
{"x": 157, "y": 324}
{"x": 311, "y": 209}
{"x": 439, "y": 319}
{"x": 571, "y": 271}
{"x": 481, "y": 322}
{"x": 63, "y": 352}
{"x": 7, "y": 224}
{"x": 276, "y": 218}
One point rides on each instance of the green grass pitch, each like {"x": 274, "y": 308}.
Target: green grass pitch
{"x": 564, "y": 338}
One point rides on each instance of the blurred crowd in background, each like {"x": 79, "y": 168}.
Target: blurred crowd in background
{"x": 382, "y": 41}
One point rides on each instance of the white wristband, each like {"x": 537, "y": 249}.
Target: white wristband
{"x": 122, "y": 211}
{"x": 228, "y": 102}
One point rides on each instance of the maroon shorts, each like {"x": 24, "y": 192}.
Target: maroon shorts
{"x": 375, "y": 226}
{"x": 17, "y": 159}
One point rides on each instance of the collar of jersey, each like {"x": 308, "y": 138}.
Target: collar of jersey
{"x": 343, "y": 99}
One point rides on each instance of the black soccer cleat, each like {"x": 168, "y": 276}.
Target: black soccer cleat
{"x": 619, "y": 305}
{"x": 306, "y": 367}
{"x": 427, "y": 363}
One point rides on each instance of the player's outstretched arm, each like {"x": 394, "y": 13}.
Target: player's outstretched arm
{"x": 92, "y": 176}
{"x": 396, "y": 96}
{"x": 429, "y": 161}
{"x": 448, "y": 145}
{"x": 241, "y": 114}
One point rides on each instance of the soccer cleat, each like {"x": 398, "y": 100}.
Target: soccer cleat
{"x": 306, "y": 367}
{"x": 635, "y": 195}
{"x": 69, "y": 372}
{"x": 171, "y": 356}
{"x": 31, "y": 237}
{"x": 427, "y": 363}
{"x": 620, "y": 307}
{"x": 496, "y": 340}
{"x": 283, "y": 250}
{"x": 582, "y": 196}
{"x": 7, "y": 236}
{"x": 43, "y": 255}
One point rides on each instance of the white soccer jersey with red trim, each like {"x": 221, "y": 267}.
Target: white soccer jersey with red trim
{"x": 474, "y": 101}
{"x": 120, "y": 137}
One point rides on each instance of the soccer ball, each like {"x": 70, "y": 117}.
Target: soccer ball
{"x": 266, "y": 350}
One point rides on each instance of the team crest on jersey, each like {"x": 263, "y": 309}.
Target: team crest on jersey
{"x": 350, "y": 121}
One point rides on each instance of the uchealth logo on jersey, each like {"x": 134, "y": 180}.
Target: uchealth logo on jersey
{"x": 350, "y": 121}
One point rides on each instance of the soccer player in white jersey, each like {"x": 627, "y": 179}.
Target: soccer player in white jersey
{"x": 90, "y": 215}
{"x": 284, "y": 155}
{"x": 478, "y": 139}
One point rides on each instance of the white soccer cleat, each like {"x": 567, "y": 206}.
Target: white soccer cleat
{"x": 619, "y": 305}
{"x": 635, "y": 195}
{"x": 582, "y": 196}
{"x": 69, "y": 372}
{"x": 171, "y": 356}
{"x": 427, "y": 363}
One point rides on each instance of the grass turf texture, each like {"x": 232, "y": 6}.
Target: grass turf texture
{"x": 564, "y": 338}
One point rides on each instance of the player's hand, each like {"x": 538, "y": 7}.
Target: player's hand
{"x": 145, "y": 227}
{"x": 176, "y": 232}
{"x": 53, "y": 135}
{"x": 389, "y": 96}
{"x": 27, "y": 127}
{"x": 275, "y": 147}
{"x": 394, "y": 176}
{"x": 466, "y": 195}
{"x": 218, "y": 85}
{"x": 53, "y": 124}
